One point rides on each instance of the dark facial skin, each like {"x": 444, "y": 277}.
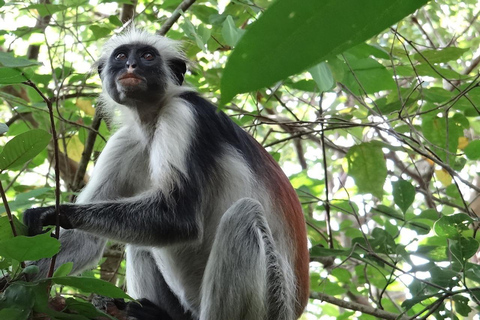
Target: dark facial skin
{"x": 136, "y": 75}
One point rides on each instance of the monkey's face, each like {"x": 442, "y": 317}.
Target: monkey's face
{"x": 135, "y": 73}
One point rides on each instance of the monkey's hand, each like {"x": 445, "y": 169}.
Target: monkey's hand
{"x": 37, "y": 218}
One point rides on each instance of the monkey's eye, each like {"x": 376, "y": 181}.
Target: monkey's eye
{"x": 148, "y": 56}
{"x": 121, "y": 56}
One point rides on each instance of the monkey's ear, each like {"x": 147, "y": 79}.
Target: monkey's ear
{"x": 100, "y": 67}
{"x": 178, "y": 67}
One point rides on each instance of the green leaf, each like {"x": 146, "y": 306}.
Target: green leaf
{"x": 11, "y": 76}
{"x": 115, "y": 21}
{"x": 98, "y": 286}
{"x": 204, "y": 33}
{"x": 86, "y": 309}
{"x": 6, "y": 228}
{"x": 323, "y": 76}
{"x": 19, "y": 299}
{"x": 441, "y": 55}
{"x": 461, "y": 305}
{"x": 23, "y": 148}
{"x": 366, "y": 164}
{"x": 231, "y": 34}
{"x": 342, "y": 275}
{"x": 472, "y": 150}
{"x": 13, "y": 314}
{"x": 403, "y": 194}
{"x": 452, "y": 226}
{"x": 366, "y": 75}
{"x": 10, "y": 61}
{"x": 64, "y": 270}
{"x": 99, "y": 32}
{"x": 464, "y": 249}
{"x": 409, "y": 303}
{"x": 23, "y": 248}
{"x": 289, "y": 38}
{"x": 442, "y": 139}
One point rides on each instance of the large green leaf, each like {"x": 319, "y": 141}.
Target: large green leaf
{"x": 23, "y": 248}
{"x": 292, "y": 36}
{"x": 366, "y": 164}
{"x": 22, "y": 148}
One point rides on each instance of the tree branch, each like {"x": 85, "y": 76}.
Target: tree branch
{"x": 167, "y": 25}
{"x": 87, "y": 152}
{"x": 357, "y": 307}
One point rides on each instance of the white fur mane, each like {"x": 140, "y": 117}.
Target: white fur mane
{"x": 168, "y": 48}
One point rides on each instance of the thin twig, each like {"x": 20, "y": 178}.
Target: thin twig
{"x": 7, "y": 209}
{"x": 56, "y": 167}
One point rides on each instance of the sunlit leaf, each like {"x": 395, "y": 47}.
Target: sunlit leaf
{"x": 323, "y": 76}
{"x": 85, "y": 106}
{"x": 231, "y": 34}
{"x": 366, "y": 164}
{"x": 74, "y": 148}
{"x": 444, "y": 177}
{"x": 452, "y": 226}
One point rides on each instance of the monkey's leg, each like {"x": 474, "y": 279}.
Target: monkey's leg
{"x": 234, "y": 286}
{"x": 146, "y": 283}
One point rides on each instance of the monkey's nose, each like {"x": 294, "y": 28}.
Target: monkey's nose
{"x": 131, "y": 66}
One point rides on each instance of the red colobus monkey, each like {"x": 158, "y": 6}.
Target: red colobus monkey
{"x": 213, "y": 228}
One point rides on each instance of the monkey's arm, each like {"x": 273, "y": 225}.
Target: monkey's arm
{"x": 147, "y": 219}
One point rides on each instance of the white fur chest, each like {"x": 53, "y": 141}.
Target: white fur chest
{"x": 171, "y": 141}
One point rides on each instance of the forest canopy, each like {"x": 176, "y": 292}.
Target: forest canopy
{"x": 371, "y": 108}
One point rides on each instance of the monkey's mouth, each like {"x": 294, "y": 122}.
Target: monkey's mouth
{"x": 130, "y": 80}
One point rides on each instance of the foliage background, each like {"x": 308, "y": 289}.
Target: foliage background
{"x": 376, "y": 126}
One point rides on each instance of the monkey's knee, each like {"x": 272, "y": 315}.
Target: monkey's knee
{"x": 243, "y": 211}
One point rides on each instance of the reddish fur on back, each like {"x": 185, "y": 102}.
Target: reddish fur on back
{"x": 284, "y": 194}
